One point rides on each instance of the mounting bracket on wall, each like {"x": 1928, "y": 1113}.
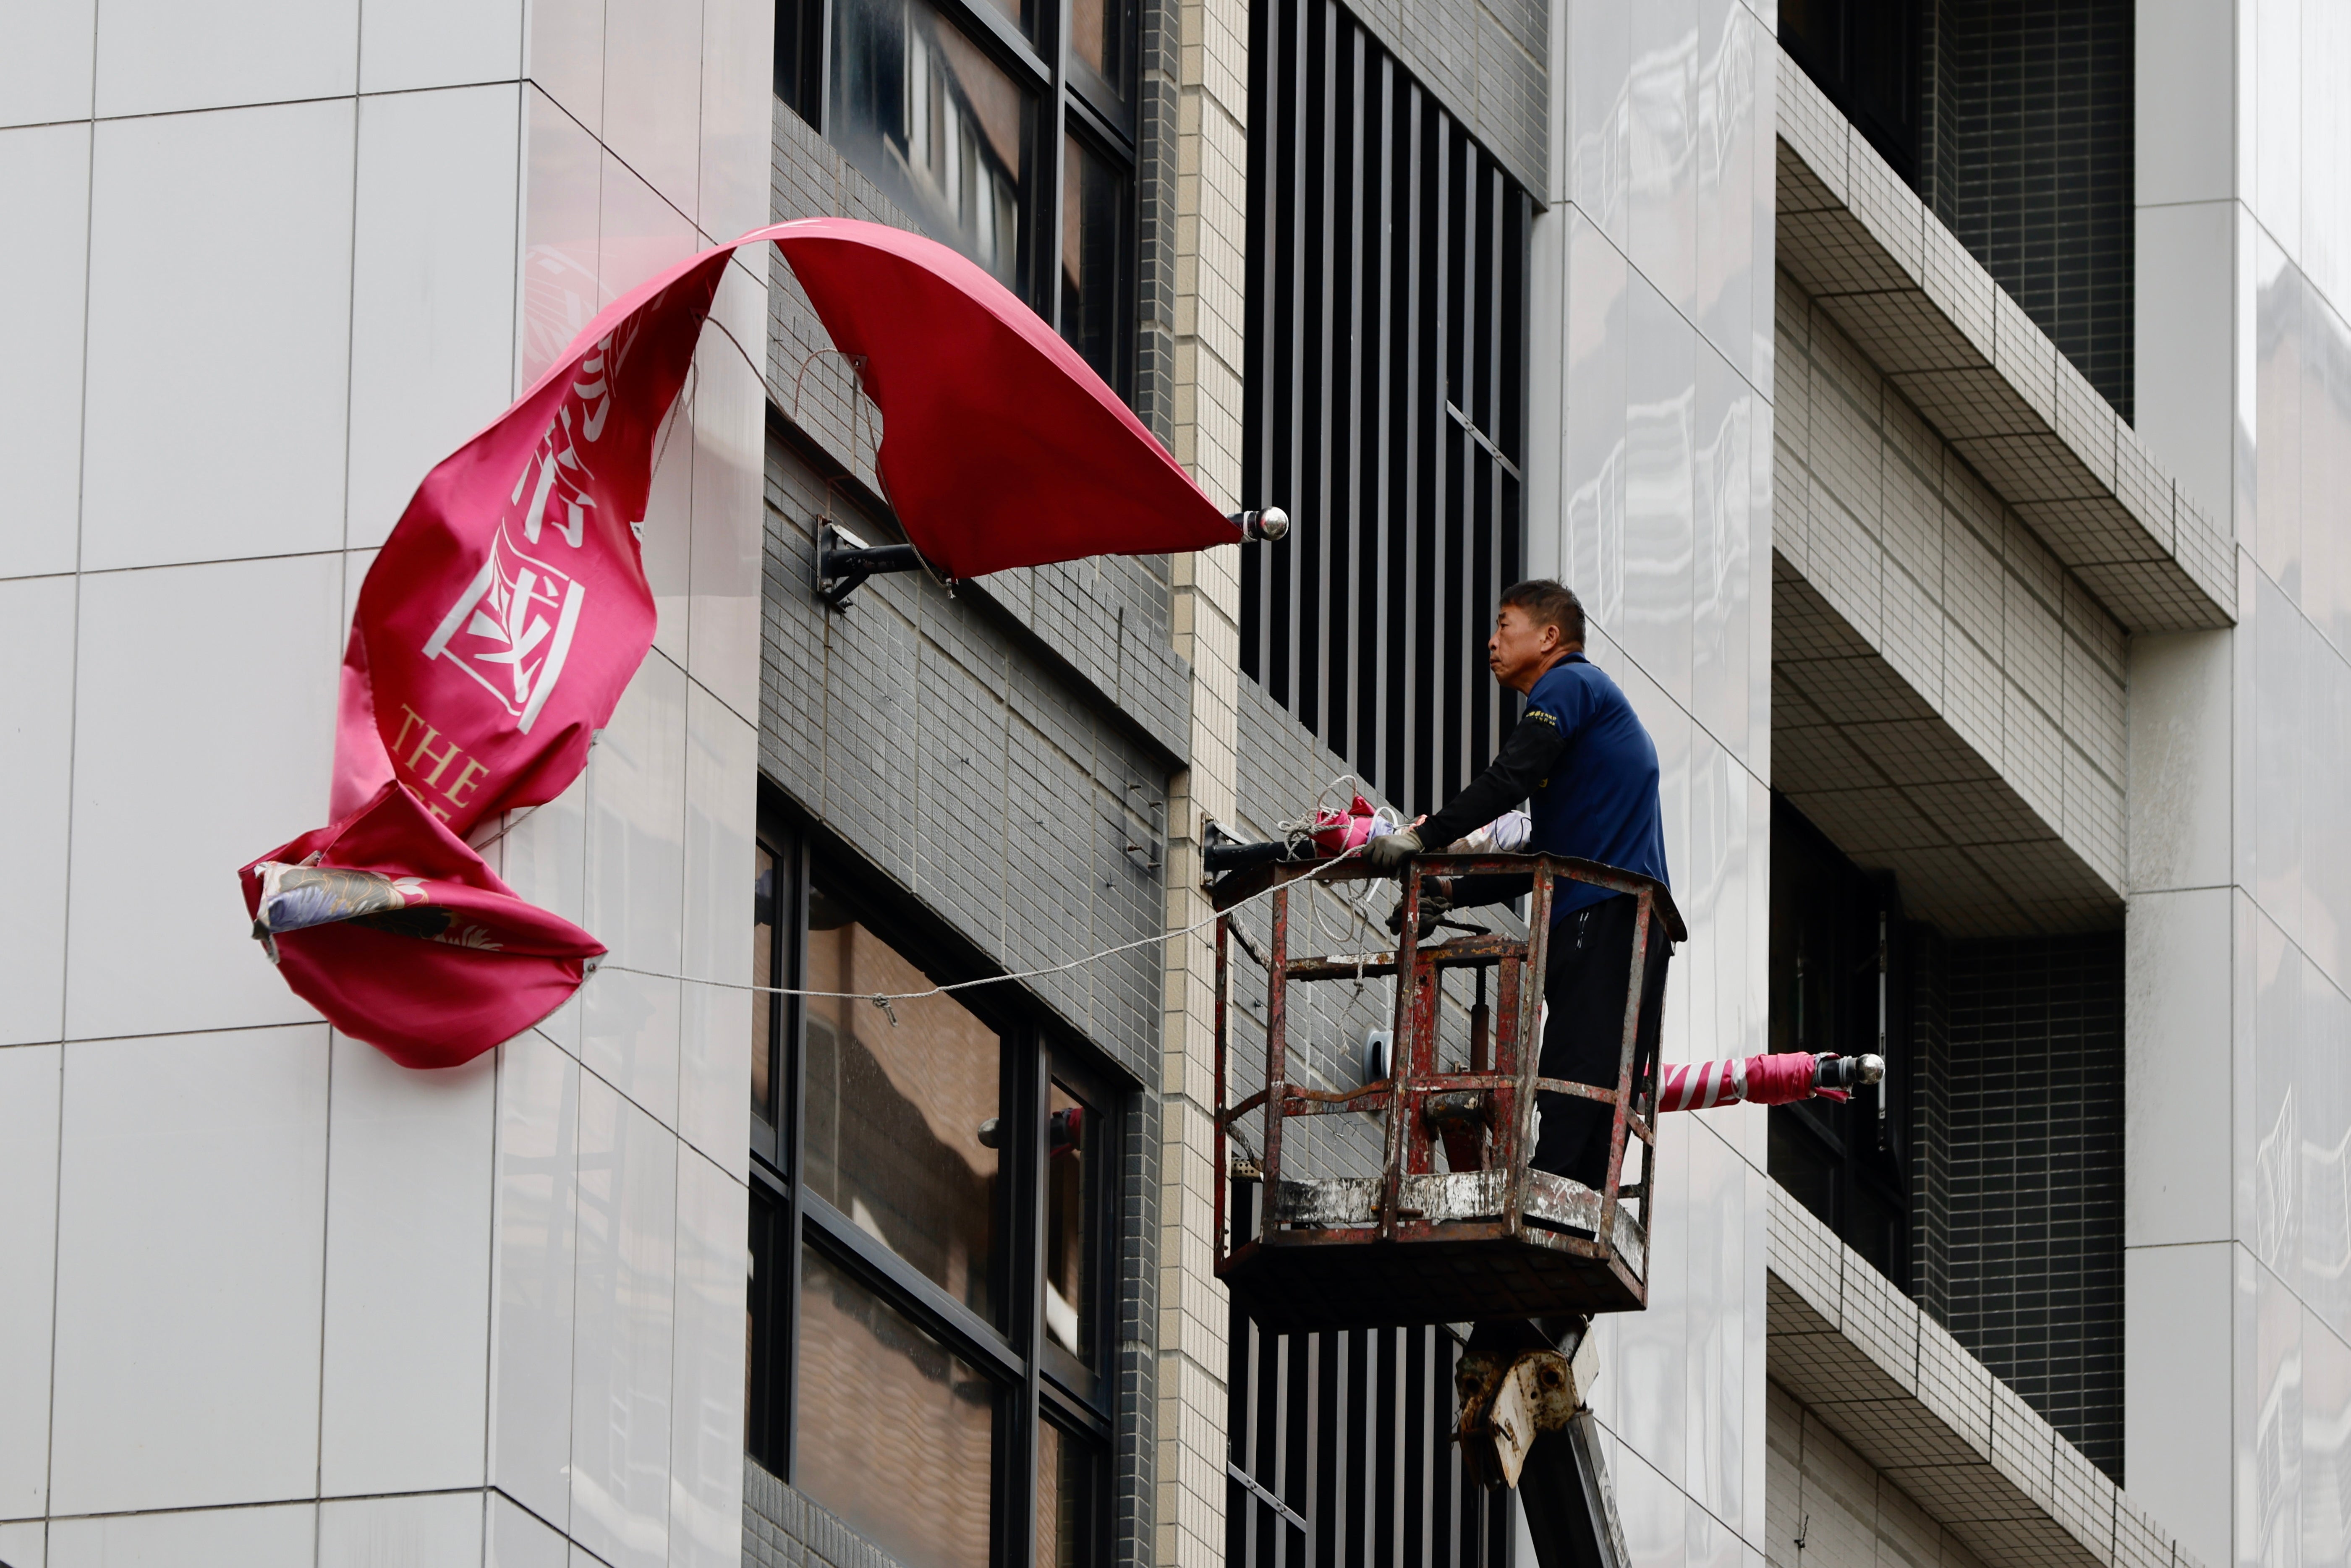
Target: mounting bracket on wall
{"x": 843, "y": 561}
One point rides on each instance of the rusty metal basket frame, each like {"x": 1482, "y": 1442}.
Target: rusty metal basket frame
{"x": 1509, "y": 1088}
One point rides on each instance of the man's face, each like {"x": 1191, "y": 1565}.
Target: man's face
{"x": 1521, "y": 648}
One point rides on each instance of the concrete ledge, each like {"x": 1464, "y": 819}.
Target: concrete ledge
{"x": 1895, "y": 1385}
{"x": 1863, "y": 245}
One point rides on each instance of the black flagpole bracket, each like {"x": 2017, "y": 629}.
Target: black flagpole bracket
{"x": 843, "y": 561}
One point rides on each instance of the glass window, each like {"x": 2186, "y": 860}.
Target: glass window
{"x": 943, "y": 129}
{"x": 928, "y": 1166}
{"x": 898, "y": 1103}
{"x": 763, "y": 973}
{"x": 1093, "y": 258}
{"x": 1022, "y": 14}
{"x": 897, "y": 1432}
{"x": 958, "y": 120}
{"x": 1069, "y": 1228}
{"x": 1065, "y": 1493}
{"x": 1098, "y": 30}
{"x": 799, "y": 55}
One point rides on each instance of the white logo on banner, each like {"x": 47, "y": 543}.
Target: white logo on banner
{"x": 512, "y": 629}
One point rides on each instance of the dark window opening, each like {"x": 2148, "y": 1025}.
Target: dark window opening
{"x": 1839, "y": 983}
{"x": 799, "y": 56}
{"x": 2016, "y": 122}
{"x": 932, "y": 1215}
{"x": 1990, "y": 1186}
{"x": 2020, "y": 1235}
{"x": 1097, "y": 263}
{"x": 1861, "y": 54}
{"x": 1383, "y": 404}
{"x": 2036, "y": 131}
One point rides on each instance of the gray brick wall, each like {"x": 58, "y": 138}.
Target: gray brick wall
{"x": 975, "y": 771}
{"x": 782, "y": 1529}
{"x": 1489, "y": 62}
{"x": 992, "y": 754}
{"x": 952, "y": 752}
{"x": 1107, "y": 618}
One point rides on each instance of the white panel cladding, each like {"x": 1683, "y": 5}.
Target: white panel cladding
{"x": 432, "y": 304}
{"x": 321, "y": 248}
{"x": 44, "y": 256}
{"x": 1651, "y": 495}
{"x": 444, "y": 1529}
{"x": 536, "y": 1308}
{"x": 37, "y": 638}
{"x": 158, "y": 56}
{"x": 622, "y": 1400}
{"x": 234, "y": 664}
{"x": 190, "y": 1222}
{"x": 408, "y": 1265}
{"x": 30, "y": 1083}
{"x": 45, "y": 75}
{"x": 218, "y": 386}
{"x": 282, "y": 1537}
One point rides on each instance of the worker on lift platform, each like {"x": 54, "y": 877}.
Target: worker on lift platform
{"x": 1582, "y": 759}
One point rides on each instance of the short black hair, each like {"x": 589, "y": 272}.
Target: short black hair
{"x": 1549, "y": 603}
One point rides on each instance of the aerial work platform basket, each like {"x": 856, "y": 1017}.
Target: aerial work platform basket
{"x": 1453, "y": 1225}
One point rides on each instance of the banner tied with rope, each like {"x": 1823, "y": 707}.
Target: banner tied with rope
{"x": 509, "y": 608}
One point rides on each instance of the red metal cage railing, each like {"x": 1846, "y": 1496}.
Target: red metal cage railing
{"x": 1485, "y": 1236}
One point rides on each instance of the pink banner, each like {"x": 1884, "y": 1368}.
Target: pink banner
{"x": 509, "y": 608}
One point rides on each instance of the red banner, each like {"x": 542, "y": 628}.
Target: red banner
{"x": 509, "y": 608}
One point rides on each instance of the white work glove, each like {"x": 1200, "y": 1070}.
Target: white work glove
{"x": 1389, "y": 851}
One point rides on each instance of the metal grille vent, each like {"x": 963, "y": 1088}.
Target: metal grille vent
{"x": 1385, "y": 405}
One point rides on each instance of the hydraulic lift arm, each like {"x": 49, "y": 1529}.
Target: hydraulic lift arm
{"x": 1526, "y": 1423}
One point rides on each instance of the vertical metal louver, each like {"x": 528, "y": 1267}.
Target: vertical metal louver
{"x": 1386, "y": 406}
{"x": 1342, "y": 1457}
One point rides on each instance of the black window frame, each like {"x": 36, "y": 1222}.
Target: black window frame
{"x": 787, "y": 1219}
{"x": 1103, "y": 111}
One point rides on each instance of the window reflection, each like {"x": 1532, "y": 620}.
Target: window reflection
{"x": 1064, "y": 1490}
{"x": 1070, "y": 1231}
{"x": 1022, "y": 14}
{"x": 1098, "y": 38}
{"x": 939, "y": 127}
{"x": 1093, "y": 231}
{"x": 895, "y": 1112}
{"x": 896, "y": 1431}
{"x": 763, "y": 973}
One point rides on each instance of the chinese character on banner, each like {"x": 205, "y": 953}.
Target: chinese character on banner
{"x": 511, "y": 629}
{"x": 508, "y": 609}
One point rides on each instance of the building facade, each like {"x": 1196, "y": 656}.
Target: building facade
{"x": 1940, "y": 409}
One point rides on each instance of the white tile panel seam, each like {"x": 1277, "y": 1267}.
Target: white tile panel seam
{"x": 2007, "y": 1485}
{"x": 1992, "y": 383}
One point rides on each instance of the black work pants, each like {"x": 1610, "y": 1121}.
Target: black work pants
{"x": 1585, "y": 975}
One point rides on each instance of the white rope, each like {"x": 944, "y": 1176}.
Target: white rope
{"x": 1298, "y": 832}
{"x": 883, "y": 998}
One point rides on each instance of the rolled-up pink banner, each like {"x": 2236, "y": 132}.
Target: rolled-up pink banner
{"x": 1779, "y": 1079}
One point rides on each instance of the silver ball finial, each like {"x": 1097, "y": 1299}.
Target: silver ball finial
{"x": 1264, "y": 526}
